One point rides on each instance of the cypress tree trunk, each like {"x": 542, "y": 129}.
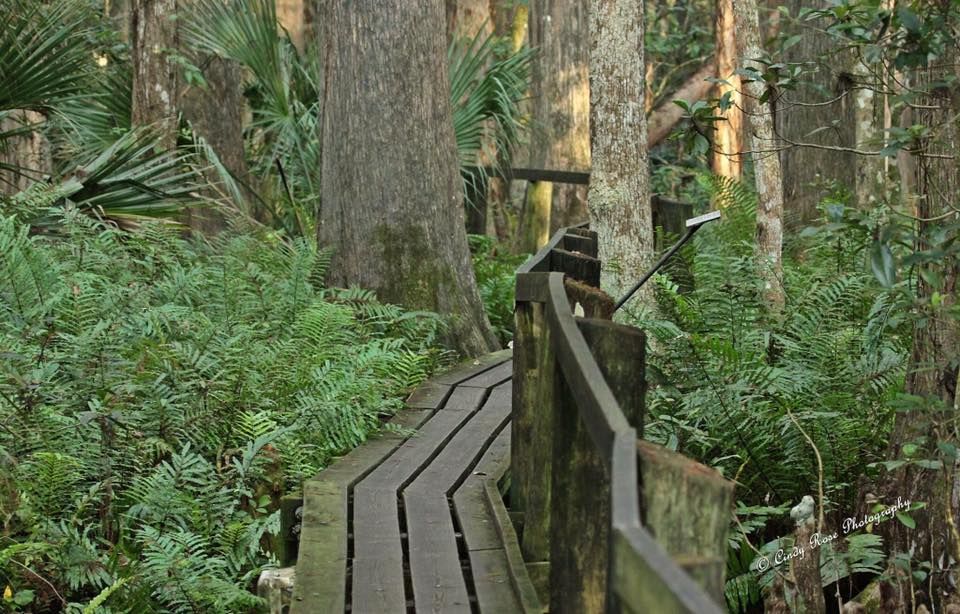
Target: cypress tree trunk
{"x": 933, "y": 364}
{"x": 156, "y": 81}
{"x": 559, "y": 31}
{"x": 216, "y": 114}
{"x": 765, "y": 160}
{"x": 619, "y": 192}
{"x": 392, "y": 201}
{"x": 819, "y": 112}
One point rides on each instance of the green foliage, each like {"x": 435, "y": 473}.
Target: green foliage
{"x": 494, "y": 267}
{"x": 782, "y": 403}
{"x": 158, "y": 396}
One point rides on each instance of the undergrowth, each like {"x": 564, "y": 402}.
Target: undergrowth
{"x": 787, "y": 405}
{"x": 158, "y": 396}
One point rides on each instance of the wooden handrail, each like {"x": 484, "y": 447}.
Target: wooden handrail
{"x": 639, "y": 574}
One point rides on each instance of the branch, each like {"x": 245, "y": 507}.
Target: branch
{"x": 667, "y": 115}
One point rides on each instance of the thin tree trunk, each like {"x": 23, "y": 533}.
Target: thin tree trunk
{"x": 156, "y": 82}
{"x": 766, "y": 162}
{"x": 728, "y": 139}
{"x": 619, "y": 193}
{"x": 559, "y": 31}
{"x": 467, "y": 17}
{"x": 391, "y": 190}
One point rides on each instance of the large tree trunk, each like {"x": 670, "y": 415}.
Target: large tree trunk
{"x": 933, "y": 368}
{"x": 619, "y": 194}
{"x": 667, "y": 115}
{"x": 728, "y": 139}
{"x": 765, "y": 160}
{"x": 820, "y": 112}
{"x": 391, "y": 187}
{"x": 559, "y": 31}
{"x": 156, "y": 82}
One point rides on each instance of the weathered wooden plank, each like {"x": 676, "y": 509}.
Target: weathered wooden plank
{"x": 519, "y": 577}
{"x": 378, "y": 556}
{"x": 465, "y": 398}
{"x": 578, "y": 266}
{"x": 476, "y": 524}
{"x": 321, "y": 561}
{"x": 578, "y": 243}
{"x": 491, "y": 581}
{"x": 469, "y": 368}
{"x": 438, "y": 581}
{"x": 430, "y": 395}
{"x": 490, "y": 378}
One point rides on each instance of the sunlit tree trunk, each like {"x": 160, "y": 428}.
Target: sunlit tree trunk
{"x": 391, "y": 194}
{"x": 559, "y": 31}
{"x": 619, "y": 193}
{"x": 728, "y": 139}
{"x": 156, "y": 82}
{"x": 292, "y": 15}
{"x": 766, "y": 162}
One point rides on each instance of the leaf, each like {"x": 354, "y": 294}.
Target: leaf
{"x": 907, "y": 521}
{"x": 883, "y": 265}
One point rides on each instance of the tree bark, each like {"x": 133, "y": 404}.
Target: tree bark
{"x": 391, "y": 190}
{"x": 728, "y": 139}
{"x": 292, "y": 16}
{"x": 559, "y": 31}
{"x": 619, "y": 193}
{"x": 216, "y": 114}
{"x": 466, "y": 17}
{"x": 156, "y": 80}
{"x": 765, "y": 160}
{"x": 30, "y": 152}
{"x": 932, "y": 372}
{"x": 811, "y": 173}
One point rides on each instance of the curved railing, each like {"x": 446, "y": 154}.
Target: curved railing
{"x": 578, "y": 403}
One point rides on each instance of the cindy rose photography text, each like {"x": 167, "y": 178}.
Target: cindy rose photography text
{"x": 849, "y": 525}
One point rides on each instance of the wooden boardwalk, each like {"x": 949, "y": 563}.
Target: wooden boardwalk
{"x": 415, "y": 521}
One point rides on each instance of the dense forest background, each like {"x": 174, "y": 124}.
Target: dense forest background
{"x": 234, "y": 234}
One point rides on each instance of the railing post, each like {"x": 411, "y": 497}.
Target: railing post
{"x": 532, "y": 429}
{"x": 580, "y": 522}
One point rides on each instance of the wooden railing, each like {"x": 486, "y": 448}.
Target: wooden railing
{"x": 576, "y": 461}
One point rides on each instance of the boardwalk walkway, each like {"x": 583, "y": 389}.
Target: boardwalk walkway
{"x": 414, "y": 521}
